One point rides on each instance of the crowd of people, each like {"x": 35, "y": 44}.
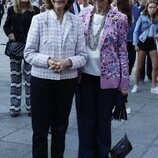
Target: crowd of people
{"x": 85, "y": 49}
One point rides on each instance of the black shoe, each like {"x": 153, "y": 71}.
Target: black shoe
{"x": 14, "y": 113}
{"x": 29, "y": 112}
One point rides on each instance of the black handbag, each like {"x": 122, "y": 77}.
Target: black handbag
{"x": 119, "y": 111}
{"x": 15, "y": 49}
{"x": 122, "y": 148}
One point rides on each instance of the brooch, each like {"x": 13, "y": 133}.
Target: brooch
{"x": 115, "y": 17}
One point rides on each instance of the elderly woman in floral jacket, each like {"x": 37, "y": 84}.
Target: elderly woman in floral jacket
{"x": 105, "y": 73}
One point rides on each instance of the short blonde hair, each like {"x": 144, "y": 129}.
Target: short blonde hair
{"x": 18, "y": 9}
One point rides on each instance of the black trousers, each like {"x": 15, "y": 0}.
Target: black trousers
{"x": 94, "y": 118}
{"x": 131, "y": 56}
{"x": 51, "y": 103}
{"x": 147, "y": 67}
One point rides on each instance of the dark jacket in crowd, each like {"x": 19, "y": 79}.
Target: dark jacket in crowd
{"x": 19, "y": 23}
{"x": 2, "y": 2}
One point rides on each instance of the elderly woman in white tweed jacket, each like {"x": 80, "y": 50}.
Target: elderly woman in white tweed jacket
{"x": 55, "y": 48}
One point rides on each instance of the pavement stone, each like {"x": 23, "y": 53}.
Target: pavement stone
{"x": 13, "y": 150}
{"x": 16, "y": 133}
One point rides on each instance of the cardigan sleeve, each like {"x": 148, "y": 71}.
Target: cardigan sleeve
{"x": 122, "y": 52}
{"x": 31, "y": 52}
{"x": 80, "y": 57}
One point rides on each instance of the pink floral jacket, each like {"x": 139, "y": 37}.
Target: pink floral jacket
{"x": 113, "y": 50}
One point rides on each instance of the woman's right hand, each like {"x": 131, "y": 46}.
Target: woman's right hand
{"x": 59, "y": 65}
{"x": 11, "y": 37}
{"x": 52, "y": 64}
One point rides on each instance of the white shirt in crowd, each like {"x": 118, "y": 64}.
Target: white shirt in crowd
{"x": 36, "y": 3}
{"x": 89, "y": 6}
{"x": 76, "y": 11}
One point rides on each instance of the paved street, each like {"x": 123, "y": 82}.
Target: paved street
{"x": 16, "y": 133}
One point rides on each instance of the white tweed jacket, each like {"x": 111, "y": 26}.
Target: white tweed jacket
{"x": 48, "y": 37}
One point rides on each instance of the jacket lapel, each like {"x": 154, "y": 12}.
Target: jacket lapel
{"x": 68, "y": 27}
{"x": 104, "y": 34}
{"x": 105, "y": 30}
{"x": 86, "y": 21}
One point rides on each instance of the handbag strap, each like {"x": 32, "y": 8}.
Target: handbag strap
{"x": 147, "y": 27}
{"x": 125, "y": 125}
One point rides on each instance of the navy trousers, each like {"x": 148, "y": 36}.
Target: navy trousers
{"x": 51, "y": 102}
{"x": 94, "y": 113}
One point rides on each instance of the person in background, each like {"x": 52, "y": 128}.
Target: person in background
{"x": 105, "y": 32}
{"x": 130, "y": 47}
{"x": 147, "y": 67}
{"x": 135, "y": 2}
{"x": 37, "y": 3}
{"x": 75, "y": 8}
{"x": 85, "y": 5}
{"x": 55, "y": 48}
{"x": 156, "y": 38}
{"x": 91, "y": 2}
{"x": 114, "y": 4}
{"x": 79, "y": 2}
{"x": 131, "y": 10}
{"x": 43, "y": 6}
{"x": 9, "y": 3}
{"x": 141, "y": 5}
{"x": 143, "y": 39}
{"x": 2, "y": 2}
{"x": 16, "y": 27}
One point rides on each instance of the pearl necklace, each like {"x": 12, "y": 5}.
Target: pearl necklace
{"x": 94, "y": 39}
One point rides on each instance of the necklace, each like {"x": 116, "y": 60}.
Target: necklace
{"x": 93, "y": 39}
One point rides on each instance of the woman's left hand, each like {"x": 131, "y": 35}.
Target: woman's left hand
{"x": 124, "y": 92}
{"x": 62, "y": 65}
